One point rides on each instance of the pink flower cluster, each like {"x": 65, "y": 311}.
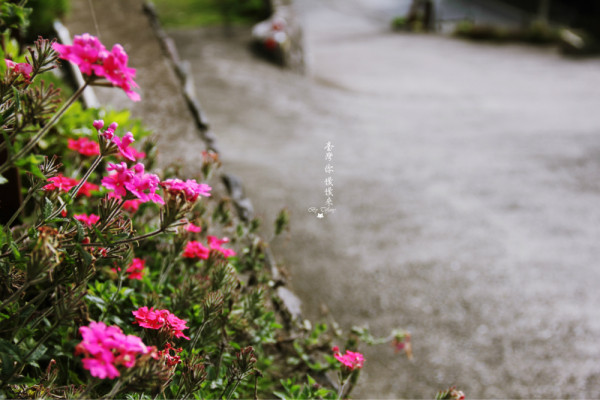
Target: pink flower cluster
{"x": 160, "y": 319}
{"x": 107, "y": 347}
{"x": 134, "y": 180}
{"x": 216, "y": 244}
{"x": 132, "y": 205}
{"x": 84, "y": 146}
{"x": 122, "y": 144}
{"x": 24, "y": 69}
{"x": 190, "y": 227}
{"x": 63, "y": 183}
{"x": 60, "y": 183}
{"x": 190, "y": 188}
{"x": 352, "y": 360}
{"x": 170, "y": 360}
{"x": 135, "y": 270}
{"x": 89, "y": 220}
{"x": 93, "y": 58}
{"x": 195, "y": 249}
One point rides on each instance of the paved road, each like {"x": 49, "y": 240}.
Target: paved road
{"x": 466, "y": 184}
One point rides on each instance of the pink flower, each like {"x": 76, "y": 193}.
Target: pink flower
{"x": 107, "y": 347}
{"x": 131, "y": 205}
{"x": 138, "y": 155}
{"x": 169, "y": 359}
{"x": 194, "y": 249}
{"x": 216, "y": 243}
{"x": 190, "y": 188}
{"x": 84, "y": 146}
{"x": 351, "y": 359}
{"x": 24, "y": 69}
{"x": 89, "y": 220}
{"x": 193, "y": 228}
{"x": 87, "y": 188}
{"x": 136, "y": 269}
{"x": 86, "y": 51}
{"x": 144, "y": 186}
{"x": 98, "y": 124}
{"x": 117, "y": 72}
{"x": 122, "y": 144}
{"x": 134, "y": 180}
{"x": 160, "y": 319}
{"x": 118, "y": 180}
{"x": 94, "y": 59}
{"x": 100, "y": 368}
{"x": 61, "y": 183}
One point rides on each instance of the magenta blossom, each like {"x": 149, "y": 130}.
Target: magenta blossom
{"x": 160, "y": 319}
{"x": 190, "y": 227}
{"x": 86, "y": 51}
{"x": 190, "y": 188}
{"x": 352, "y": 360}
{"x": 63, "y": 183}
{"x": 134, "y": 180}
{"x": 122, "y": 144}
{"x": 60, "y": 183}
{"x": 93, "y": 58}
{"x": 195, "y": 249}
{"x": 117, "y": 72}
{"x": 216, "y": 244}
{"x": 132, "y": 205}
{"x": 24, "y": 69}
{"x": 84, "y": 146}
{"x": 135, "y": 270}
{"x": 106, "y": 347}
{"x": 89, "y": 220}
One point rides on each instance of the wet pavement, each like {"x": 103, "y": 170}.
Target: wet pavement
{"x": 466, "y": 192}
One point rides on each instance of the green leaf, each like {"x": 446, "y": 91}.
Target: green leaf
{"x": 9, "y": 353}
{"x": 3, "y": 180}
{"x": 38, "y": 353}
{"x": 30, "y": 163}
{"x": 48, "y": 207}
{"x": 282, "y": 396}
{"x": 16, "y": 251}
{"x": 80, "y": 230}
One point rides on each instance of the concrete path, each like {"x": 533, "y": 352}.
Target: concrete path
{"x": 466, "y": 188}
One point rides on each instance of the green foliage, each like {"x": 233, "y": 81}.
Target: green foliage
{"x": 399, "y": 23}
{"x": 13, "y": 16}
{"x": 309, "y": 390}
{"x": 194, "y": 13}
{"x": 536, "y": 33}
{"x": 43, "y": 14}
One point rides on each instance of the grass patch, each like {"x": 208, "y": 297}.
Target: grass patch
{"x": 194, "y": 13}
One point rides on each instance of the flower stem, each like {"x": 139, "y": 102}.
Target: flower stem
{"x": 342, "y": 388}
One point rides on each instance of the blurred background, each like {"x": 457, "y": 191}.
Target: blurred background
{"x": 466, "y": 175}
